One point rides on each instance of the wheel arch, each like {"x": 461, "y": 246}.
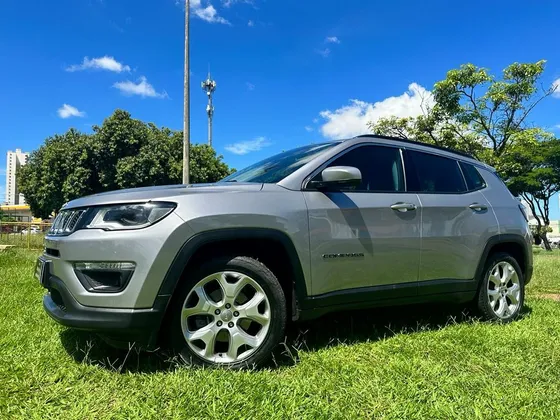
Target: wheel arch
{"x": 515, "y": 245}
{"x": 270, "y": 246}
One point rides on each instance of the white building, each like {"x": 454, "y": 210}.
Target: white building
{"x": 14, "y": 160}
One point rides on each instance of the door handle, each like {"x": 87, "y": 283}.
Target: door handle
{"x": 402, "y": 207}
{"x": 478, "y": 207}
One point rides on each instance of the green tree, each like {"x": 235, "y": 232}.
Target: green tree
{"x": 474, "y": 111}
{"x": 205, "y": 165}
{"x": 58, "y": 171}
{"x": 160, "y": 161}
{"x": 119, "y": 137}
{"x": 533, "y": 173}
{"x": 5, "y": 217}
{"x": 155, "y": 163}
{"x": 121, "y": 153}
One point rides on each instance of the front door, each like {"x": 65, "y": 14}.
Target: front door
{"x": 368, "y": 236}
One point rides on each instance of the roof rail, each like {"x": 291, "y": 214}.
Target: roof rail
{"x": 433, "y": 146}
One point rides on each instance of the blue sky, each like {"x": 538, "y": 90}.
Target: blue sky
{"x": 289, "y": 72}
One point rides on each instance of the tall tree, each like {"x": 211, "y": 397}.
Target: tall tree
{"x": 473, "y": 111}
{"x": 59, "y": 170}
{"x": 119, "y": 137}
{"x": 533, "y": 173}
{"x": 121, "y": 153}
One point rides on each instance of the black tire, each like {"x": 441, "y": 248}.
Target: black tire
{"x": 265, "y": 279}
{"x": 482, "y": 301}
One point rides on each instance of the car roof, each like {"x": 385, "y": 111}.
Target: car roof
{"x": 409, "y": 141}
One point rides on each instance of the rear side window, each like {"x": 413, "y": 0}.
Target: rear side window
{"x": 433, "y": 174}
{"x": 472, "y": 176}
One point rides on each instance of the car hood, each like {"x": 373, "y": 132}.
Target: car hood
{"x": 160, "y": 193}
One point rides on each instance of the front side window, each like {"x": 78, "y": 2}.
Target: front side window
{"x": 433, "y": 174}
{"x": 472, "y": 176}
{"x": 278, "y": 167}
{"x": 380, "y": 166}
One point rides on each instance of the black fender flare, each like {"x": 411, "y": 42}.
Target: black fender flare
{"x": 195, "y": 242}
{"x": 503, "y": 239}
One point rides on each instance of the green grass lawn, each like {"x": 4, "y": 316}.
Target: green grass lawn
{"x": 546, "y": 278}
{"x": 416, "y": 362}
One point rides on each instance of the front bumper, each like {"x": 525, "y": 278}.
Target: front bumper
{"x": 151, "y": 249}
{"x": 118, "y": 326}
{"x": 133, "y": 315}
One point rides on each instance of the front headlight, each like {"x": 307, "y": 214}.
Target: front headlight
{"x": 128, "y": 216}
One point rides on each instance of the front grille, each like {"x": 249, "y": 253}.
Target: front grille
{"x": 66, "y": 222}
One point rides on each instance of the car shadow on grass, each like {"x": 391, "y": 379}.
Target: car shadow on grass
{"x": 88, "y": 348}
{"x": 330, "y": 330}
{"x": 369, "y": 326}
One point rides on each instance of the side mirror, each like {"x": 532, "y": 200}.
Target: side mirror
{"x": 337, "y": 177}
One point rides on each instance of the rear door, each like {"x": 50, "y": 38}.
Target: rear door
{"x": 457, "y": 220}
{"x": 368, "y": 236}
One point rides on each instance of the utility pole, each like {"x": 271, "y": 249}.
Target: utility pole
{"x": 186, "y": 99}
{"x": 209, "y": 86}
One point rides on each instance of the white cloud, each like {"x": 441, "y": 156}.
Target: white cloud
{"x": 315, "y": 120}
{"x": 557, "y": 127}
{"x": 308, "y": 128}
{"x": 250, "y": 86}
{"x": 100, "y": 63}
{"x": 324, "y": 53}
{"x": 141, "y": 88}
{"x": 2, "y": 172}
{"x": 228, "y": 3}
{"x": 250, "y": 23}
{"x": 3, "y": 197}
{"x": 209, "y": 14}
{"x": 352, "y": 119}
{"x": 332, "y": 40}
{"x": 244, "y": 147}
{"x": 67, "y": 111}
{"x": 206, "y": 12}
{"x": 556, "y": 88}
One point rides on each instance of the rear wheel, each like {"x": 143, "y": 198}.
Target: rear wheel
{"x": 231, "y": 312}
{"x": 502, "y": 291}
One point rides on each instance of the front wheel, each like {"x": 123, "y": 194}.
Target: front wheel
{"x": 231, "y": 312}
{"x": 502, "y": 290}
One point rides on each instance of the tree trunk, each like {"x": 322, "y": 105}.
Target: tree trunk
{"x": 545, "y": 242}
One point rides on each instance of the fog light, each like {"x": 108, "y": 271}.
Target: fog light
{"x": 108, "y": 277}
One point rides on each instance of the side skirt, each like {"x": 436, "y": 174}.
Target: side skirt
{"x": 443, "y": 290}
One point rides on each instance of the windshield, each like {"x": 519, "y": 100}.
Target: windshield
{"x": 278, "y": 167}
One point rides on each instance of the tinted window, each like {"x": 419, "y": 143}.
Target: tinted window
{"x": 433, "y": 173}
{"x": 278, "y": 167}
{"x": 473, "y": 178}
{"x": 380, "y": 166}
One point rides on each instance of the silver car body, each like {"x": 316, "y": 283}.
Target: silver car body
{"x": 342, "y": 241}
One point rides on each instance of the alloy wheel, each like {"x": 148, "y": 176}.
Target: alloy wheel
{"x": 225, "y": 317}
{"x": 504, "y": 290}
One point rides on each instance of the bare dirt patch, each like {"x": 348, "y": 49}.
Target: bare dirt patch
{"x": 552, "y": 296}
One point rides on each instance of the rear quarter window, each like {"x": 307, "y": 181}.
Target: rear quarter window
{"x": 472, "y": 177}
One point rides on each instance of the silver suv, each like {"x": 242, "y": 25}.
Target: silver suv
{"x": 218, "y": 269}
